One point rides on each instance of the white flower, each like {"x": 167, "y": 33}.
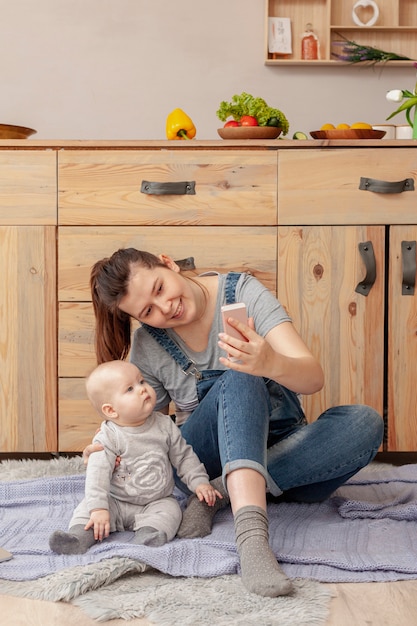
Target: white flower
{"x": 395, "y": 95}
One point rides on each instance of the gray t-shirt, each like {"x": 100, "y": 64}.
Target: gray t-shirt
{"x": 166, "y": 376}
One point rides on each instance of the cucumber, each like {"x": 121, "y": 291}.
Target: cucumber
{"x": 299, "y": 135}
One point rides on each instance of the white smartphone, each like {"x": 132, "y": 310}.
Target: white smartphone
{"x": 238, "y": 312}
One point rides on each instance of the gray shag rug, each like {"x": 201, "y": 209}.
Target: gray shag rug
{"x": 124, "y": 588}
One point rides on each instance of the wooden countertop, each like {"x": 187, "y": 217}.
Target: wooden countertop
{"x": 265, "y": 144}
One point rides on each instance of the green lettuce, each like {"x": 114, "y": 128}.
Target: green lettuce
{"x": 245, "y": 104}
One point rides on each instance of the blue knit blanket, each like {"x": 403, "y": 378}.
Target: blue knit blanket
{"x": 366, "y": 532}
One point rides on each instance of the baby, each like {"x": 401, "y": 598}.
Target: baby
{"x": 137, "y": 494}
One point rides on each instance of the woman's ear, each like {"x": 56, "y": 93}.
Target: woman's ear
{"x": 109, "y": 412}
{"x": 169, "y": 262}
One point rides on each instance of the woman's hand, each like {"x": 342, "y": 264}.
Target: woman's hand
{"x": 249, "y": 354}
{"x": 97, "y": 447}
{"x": 282, "y": 355}
{"x": 92, "y": 447}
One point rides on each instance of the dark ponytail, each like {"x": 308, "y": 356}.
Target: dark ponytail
{"x": 109, "y": 283}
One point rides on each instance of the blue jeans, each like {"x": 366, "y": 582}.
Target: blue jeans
{"x": 244, "y": 421}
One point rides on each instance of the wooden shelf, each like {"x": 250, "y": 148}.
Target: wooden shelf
{"x": 394, "y": 31}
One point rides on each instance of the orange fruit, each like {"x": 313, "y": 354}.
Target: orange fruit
{"x": 361, "y": 125}
{"x": 327, "y": 127}
{"x": 342, "y": 126}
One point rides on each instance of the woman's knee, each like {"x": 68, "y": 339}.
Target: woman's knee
{"x": 366, "y": 424}
{"x": 246, "y": 383}
{"x": 375, "y": 425}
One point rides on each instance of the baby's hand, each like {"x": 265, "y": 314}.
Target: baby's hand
{"x": 100, "y": 520}
{"x": 207, "y": 493}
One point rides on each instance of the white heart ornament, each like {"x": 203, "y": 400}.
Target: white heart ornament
{"x": 365, "y": 4}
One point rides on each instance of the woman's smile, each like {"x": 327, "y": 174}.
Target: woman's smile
{"x": 179, "y": 311}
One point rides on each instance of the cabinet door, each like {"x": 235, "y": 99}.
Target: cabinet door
{"x": 402, "y": 340}
{"x": 319, "y": 268}
{"x": 223, "y": 248}
{"x": 28, "y": 339}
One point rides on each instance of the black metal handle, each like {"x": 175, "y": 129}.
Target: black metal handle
{"x": 408, "y": 257}
{"x": 186, "y": 264}
{"x": 366, "y": 250}
{"x": 180, "y": 188}
{"x": 384, "y": 186}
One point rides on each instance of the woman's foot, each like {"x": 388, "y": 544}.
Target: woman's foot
{"x": 261, "y": 573}
{"x": 197, "y": 519}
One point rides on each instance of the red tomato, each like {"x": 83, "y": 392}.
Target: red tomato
{"x": 231, "y": 123}
{"x": 248, "y": 120}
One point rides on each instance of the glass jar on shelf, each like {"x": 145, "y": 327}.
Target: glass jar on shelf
{"x": 310, "y": 45}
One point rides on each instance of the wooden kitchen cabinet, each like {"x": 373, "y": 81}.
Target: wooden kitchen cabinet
{"x": 28, "y": 395}
{"x": 394, "y": 31}
{"x": 366, "y": 343}
{"x": 297, "y": 215}
{"x": 229, "y": 223}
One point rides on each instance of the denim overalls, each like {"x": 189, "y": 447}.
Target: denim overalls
{"x": 280, "y": 412}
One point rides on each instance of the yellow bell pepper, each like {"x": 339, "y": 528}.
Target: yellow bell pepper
{"x": 179, "y": 125}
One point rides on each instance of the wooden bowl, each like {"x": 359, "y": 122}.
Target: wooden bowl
{"x": 348, "y": 133}
{"x": 249, "y": 132}
{"x": 8, "y": 131}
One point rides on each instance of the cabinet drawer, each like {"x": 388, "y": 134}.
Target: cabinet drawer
{"x": 28, "y": 187}
{"x": 223, "y": 248}
{"x": 78, "y": 421}
{"x": 322, "y": 187}
{"x": 104, "y": 187}
{"x": 76, "y": 356}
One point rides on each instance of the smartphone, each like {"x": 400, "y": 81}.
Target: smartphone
{"x": 238, "y": 312}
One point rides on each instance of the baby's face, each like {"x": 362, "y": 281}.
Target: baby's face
{"x": 133, "y": 398}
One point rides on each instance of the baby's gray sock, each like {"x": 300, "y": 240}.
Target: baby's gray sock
{"x": 148, "y": 536}
{"x": 261, "y": 573}
{"x": 197, "y": 519}
{"x": 76, "y": 541}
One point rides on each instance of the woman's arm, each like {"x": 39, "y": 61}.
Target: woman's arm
{"x": 282, "y": 355}
{"x": 96, "y": 447}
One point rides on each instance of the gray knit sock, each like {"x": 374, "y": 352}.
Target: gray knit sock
{"x": 76, "y": 541}
{"x": 148, "y": 536}
{"x": 261, "y": 573}
{"x": 197, "y": 519}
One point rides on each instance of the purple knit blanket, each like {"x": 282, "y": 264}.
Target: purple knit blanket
{"x": 366, "y": 532}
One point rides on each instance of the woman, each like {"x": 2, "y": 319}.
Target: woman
{"x": 236, "y": 399}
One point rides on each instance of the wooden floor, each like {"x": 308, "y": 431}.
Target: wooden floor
{"x": 354, "y": 604}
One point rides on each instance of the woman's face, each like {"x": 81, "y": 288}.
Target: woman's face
{"x": 160, "y": 297}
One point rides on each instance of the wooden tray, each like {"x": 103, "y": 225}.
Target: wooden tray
{"x": 249, "y": 132}
{"x": 348, "y": 133}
